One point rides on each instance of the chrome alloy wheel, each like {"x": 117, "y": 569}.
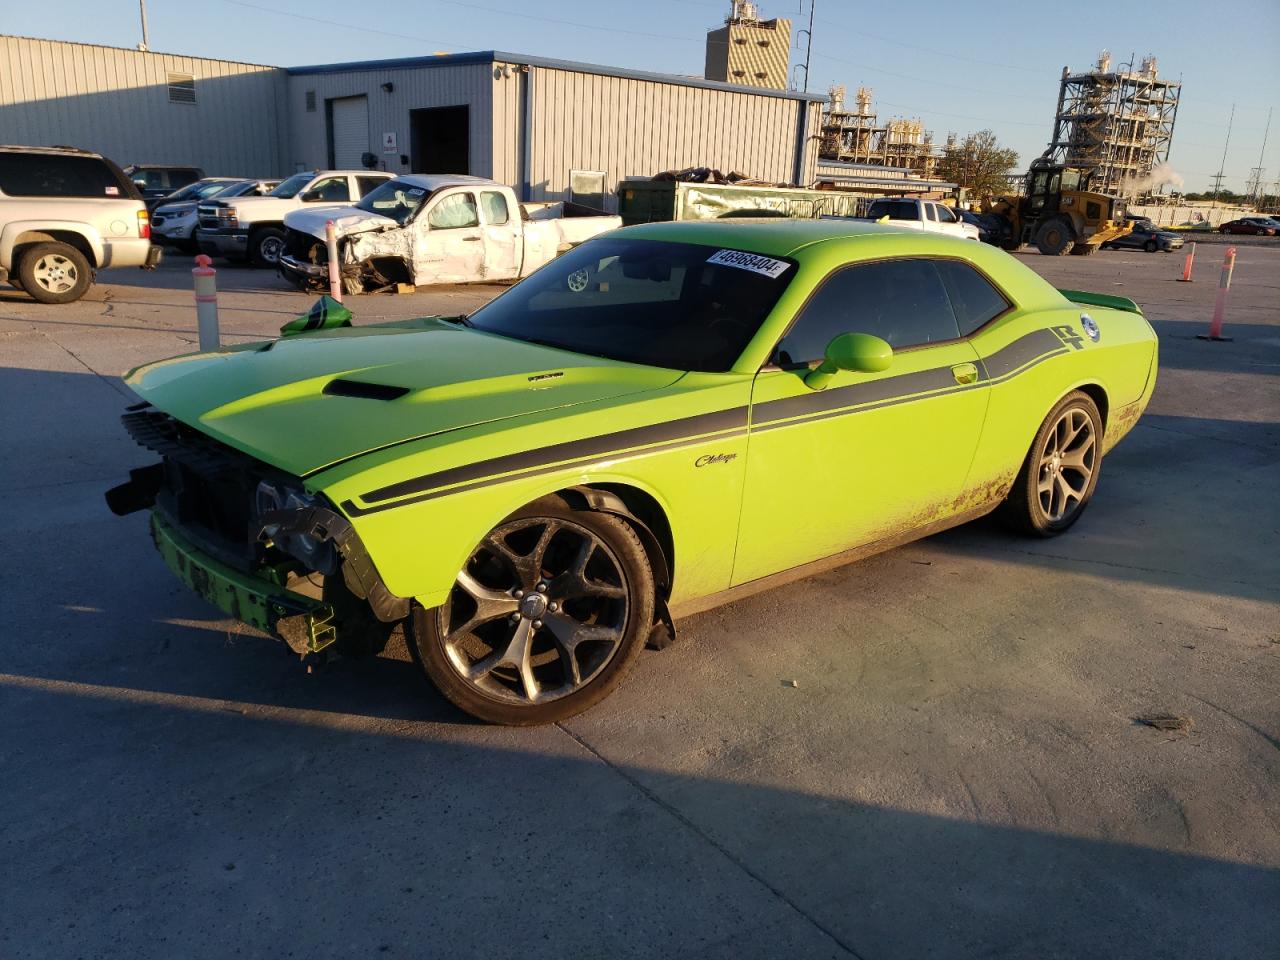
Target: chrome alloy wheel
{"x": 55, "y": 273}
{"x": 1067, "y": 461}
{"x": 539, "y": 609}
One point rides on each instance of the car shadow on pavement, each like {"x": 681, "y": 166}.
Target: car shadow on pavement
{"x": 158, "y": 826}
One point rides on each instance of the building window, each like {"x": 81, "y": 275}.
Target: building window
{"x": 760, "y": 74}
{"x": 587, "y": 188}
{"x": 182, "y": 88}
{"x": 311, "y": 101}
{"x": 739, "y": 73}
{"x": 763, "y": 43}
{"x": 740, "y": 41}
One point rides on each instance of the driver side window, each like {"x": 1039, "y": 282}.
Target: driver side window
{"x": 332, "y": 190}
{"x": 903, "y": 302}
{"x": 453, "y": 212}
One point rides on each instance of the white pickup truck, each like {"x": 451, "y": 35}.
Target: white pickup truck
{"x": 419, "y": 229}
{"x": 921, "y": 215}
{"x": 252, "y": 228}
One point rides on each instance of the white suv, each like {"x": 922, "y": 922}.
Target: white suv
{"x": 65, "y": 214}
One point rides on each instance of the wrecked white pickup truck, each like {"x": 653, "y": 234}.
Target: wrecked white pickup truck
{"x": 418, "y": 229}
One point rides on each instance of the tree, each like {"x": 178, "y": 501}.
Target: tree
{"x": 979, "y": 164}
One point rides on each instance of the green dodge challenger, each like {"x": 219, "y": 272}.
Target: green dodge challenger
{"x": 662, "y": 419}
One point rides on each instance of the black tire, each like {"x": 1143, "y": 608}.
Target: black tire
{"x": 54, "y": 273}
{"x": 497, "y": 690}
{"x": 1054, "y": 237}
{"x": 265, "y": 246}
{"x": 1151, "y": 246}
{"x": 1024, "y": 509}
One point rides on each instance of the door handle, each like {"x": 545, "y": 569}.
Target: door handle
{"x": 471, "y": 239}
{"x": 965, "y": 372}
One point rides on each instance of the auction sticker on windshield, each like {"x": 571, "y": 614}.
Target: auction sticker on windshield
{"x": 749, "y": 261}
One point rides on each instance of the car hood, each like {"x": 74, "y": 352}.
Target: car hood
{"x": 347, "y": 221}
{"x": 309, "y": 402}
{"x": 179, "y": 209}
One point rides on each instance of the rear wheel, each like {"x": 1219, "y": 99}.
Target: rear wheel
{"x": 54, "y": 273}
{"x": 545, "y": 618}
{"x": 1054, "y": 238}
{"x": 1060, "y": 472}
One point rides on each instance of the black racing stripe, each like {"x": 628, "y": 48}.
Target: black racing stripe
{"x": 1021, "y": 354}
{"x": 1021, "y": 351}
{"x": 572, "y": 450}
{"x": 899, "y": 388}
{"x": 1018, "y": 356}
{"x": 355, "y": 510}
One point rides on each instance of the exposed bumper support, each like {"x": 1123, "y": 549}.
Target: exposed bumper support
{"x": 306, "y": 625}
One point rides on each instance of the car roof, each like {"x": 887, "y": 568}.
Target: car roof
{"x": 51, "y": 151}
{"x": 433, "y": 182}
{"x": 771, "y": 236}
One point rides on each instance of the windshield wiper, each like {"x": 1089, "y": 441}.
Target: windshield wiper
{"x": 461, "y": 320}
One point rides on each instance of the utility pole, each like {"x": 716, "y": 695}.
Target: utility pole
{"x": 807, "y": 50}
{"x": 1217, "y": 180}
{"x": 1256, "y": 185}
{"x": 145, "y": 45}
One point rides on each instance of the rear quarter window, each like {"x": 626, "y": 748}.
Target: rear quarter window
{"x": 975, "y": 301}
{"x": 45, "y": 175}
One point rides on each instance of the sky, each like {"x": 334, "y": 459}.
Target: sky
{"x": 959, "y": 65}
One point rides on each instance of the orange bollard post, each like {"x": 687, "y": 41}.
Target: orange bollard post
{"x": 335, "y": 269}
{"x": 1220, "y": 304}
{"x": 206, "y": 285}
{"x": 1186, "y": 267}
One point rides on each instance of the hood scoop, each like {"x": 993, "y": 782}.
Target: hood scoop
{"x": 341, "y": 387}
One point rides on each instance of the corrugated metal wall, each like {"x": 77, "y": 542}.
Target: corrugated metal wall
{"x": 442, "y": 86}
{"x": 116, "y": 101}
{"x": 632, "y": 127}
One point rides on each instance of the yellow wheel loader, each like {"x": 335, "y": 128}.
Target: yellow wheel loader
{"x": 1058, "y": 213}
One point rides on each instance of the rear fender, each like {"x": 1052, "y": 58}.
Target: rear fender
{"x": 21, "y": 233}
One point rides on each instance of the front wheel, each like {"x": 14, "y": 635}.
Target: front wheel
{"x": 1151, "y": 246}
{"x": 1060, "y": 472}
{"x": 1054, "y": 238}
{"x": 266, "y": 245}
{"x": 544, "y": 620}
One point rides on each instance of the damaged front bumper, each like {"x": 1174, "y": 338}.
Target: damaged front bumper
{"x": 305, "y": 624}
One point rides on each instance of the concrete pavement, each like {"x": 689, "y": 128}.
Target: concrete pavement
{"x": 954, "y": 773}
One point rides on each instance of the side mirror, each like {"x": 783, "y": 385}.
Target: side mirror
{"x": 860, "y": 352}
{"x": 309, "y": 196}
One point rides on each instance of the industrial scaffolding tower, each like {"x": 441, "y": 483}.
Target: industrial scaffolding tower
{"x": 1117, "y": 124}
{"x": 857, "y": 136}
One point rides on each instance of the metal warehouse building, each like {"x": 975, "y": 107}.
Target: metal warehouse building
{"x": 553, "y": 129}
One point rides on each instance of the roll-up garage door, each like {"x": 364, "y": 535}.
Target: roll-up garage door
{"x": 349, "y": 131}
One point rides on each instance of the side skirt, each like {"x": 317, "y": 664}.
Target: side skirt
{"x": 688, "y": 608}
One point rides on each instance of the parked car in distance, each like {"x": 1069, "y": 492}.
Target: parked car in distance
{"x": 985, "y": 233}
{"x": 435, "y": 229}
{"x": 64, "y": 214}
{"x": 927, "y": 215}
{"x": 252, "y": 228}
{"x": 663, "y": 419}
{"x": 1145, "y": 235}
{"x": 157, "y": 180}
{"x": 174, "y": 222}
{"x": 1257, "y": 226}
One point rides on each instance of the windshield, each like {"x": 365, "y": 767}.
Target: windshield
{"x": 289, "y": 189}
{"x": 395, "y": 199}
{"x": 678, "y": 305}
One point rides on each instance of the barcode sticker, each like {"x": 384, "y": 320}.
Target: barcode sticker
{"x": 749, "y": 261}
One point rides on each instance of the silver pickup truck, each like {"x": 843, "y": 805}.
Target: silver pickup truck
{"x": 419, "y": 230}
